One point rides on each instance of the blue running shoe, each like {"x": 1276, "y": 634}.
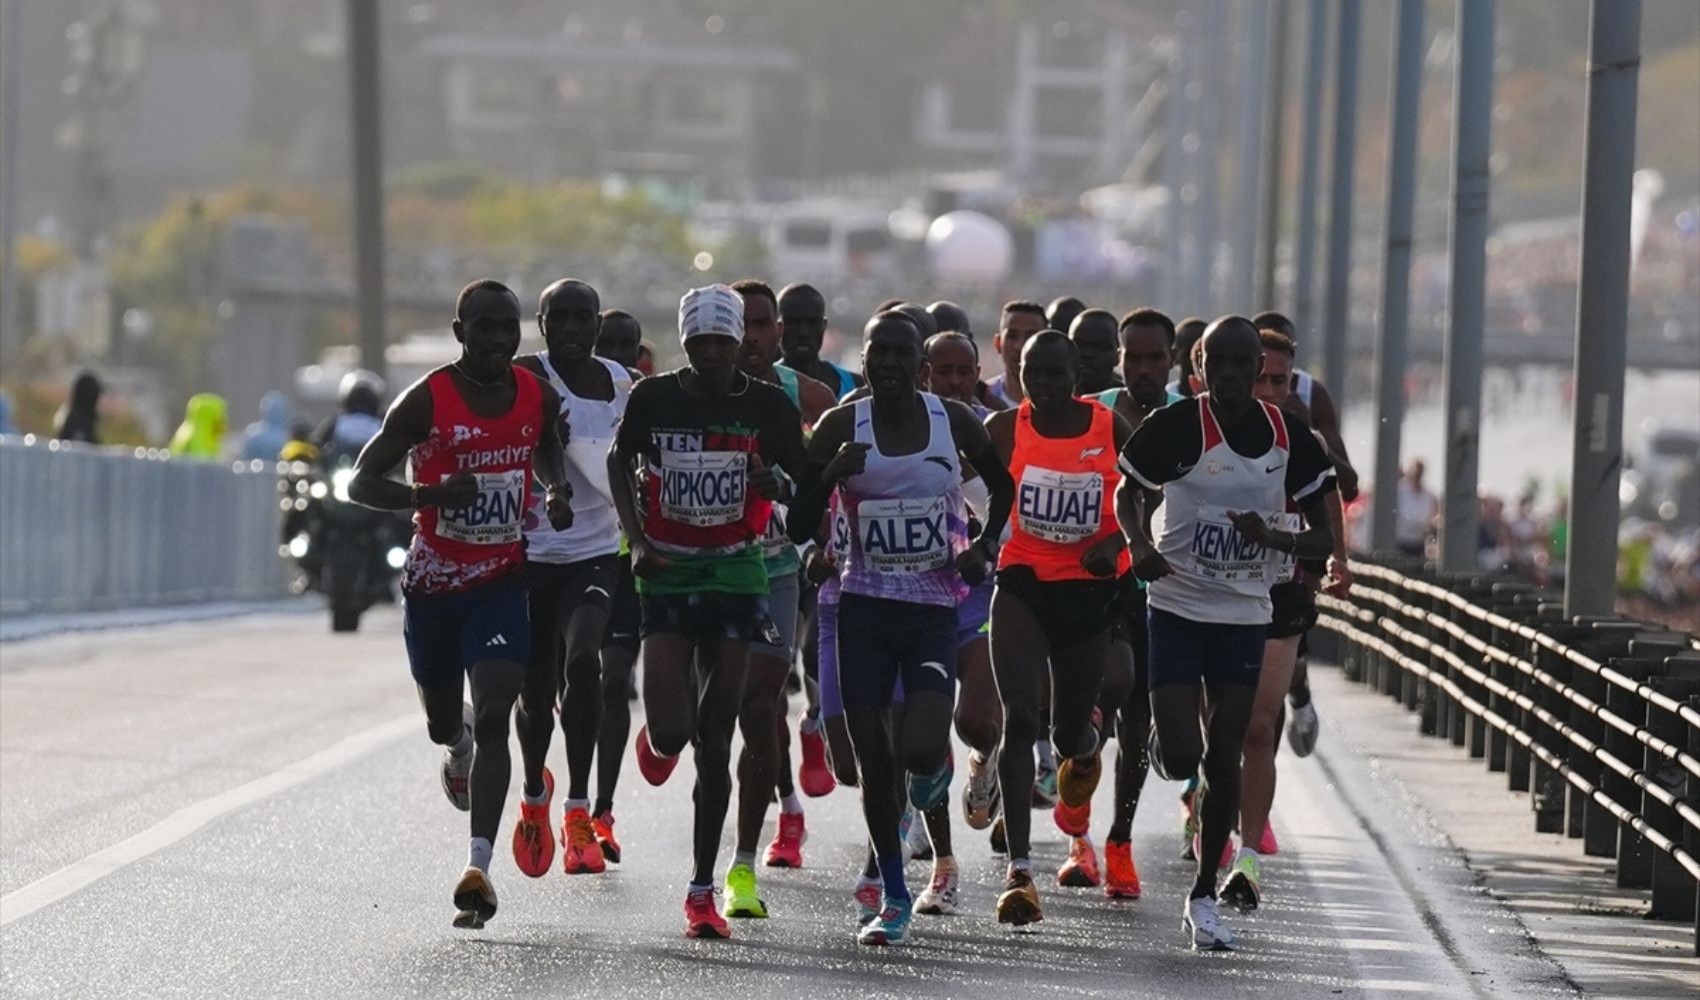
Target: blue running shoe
{"x": 892, "y": 927}
{"x": 929, "y": 791}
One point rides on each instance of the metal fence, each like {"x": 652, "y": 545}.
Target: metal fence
{"x": 1598, "y": 719}
{"x": 86, "y": 529}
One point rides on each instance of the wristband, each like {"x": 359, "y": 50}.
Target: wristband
{"x": 415, "y": 492}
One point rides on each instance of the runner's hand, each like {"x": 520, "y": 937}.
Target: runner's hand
{"x": 1339, "y": 582}
{"x": 558, "y": 504}
{"x": 457, "y": 492}
{"x": 1100, "y": 559}
{"x": 851, "y": 459}
{"x": 1252, "y": 526}
{"x": 1150, "y": 565}
{"x": 1346, "y": 478}
{"x": 763, "y": 480}
{"x": 646, "y": 562}
{"x": 820, "y": 567}
{"x": 565, "y": 429}
{"x": 972, "y": 564}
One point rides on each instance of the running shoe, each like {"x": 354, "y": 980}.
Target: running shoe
{"x": 1267, "y": 844}
{"x": 655, "y": 768}
{"x": 786, "y": 851}
{"x": 580, "y": 853}
{"x": 1203, "y": 920}
{"x": 814, "y": 777}
{"x": 999, "y": 839}
{"x": 1045, "y": 787}
{"x": 920, "y": 843}
{"x": 534, "y": 840}
{"x": 1076, "y": 782}
{"x": 1244, "y": 887}
{"x": 1190, "y": 824}
{"x": 1072, "y": 820}
{"x": 1121, "y": 878}
{"x": 892, "y": 925}
{"x": 928, "y": 791}
{"x": 702, "y": 917}
{"x": 741, "y": 897}
{"x": 981, "y": 796}
{"x": 869, "y": 894}
{"x": 1080, "y": 871}
{"x": 603, "y": 827}
{"x": 1303, "y": 728}
{"x": 457, "y": 771}
{"x": 1018, "y": 904}
{"x": 939, "y": 897}
{"x": 475, "y": 900}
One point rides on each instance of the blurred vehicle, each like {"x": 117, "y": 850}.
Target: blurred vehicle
{"x": 350, "y": 553}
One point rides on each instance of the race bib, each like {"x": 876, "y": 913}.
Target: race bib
{"x": 1283, "y": 565}
{"x": 904, "y": 536}
{"x": 775, "y": 542}
{"x": 704, "y": 489}
{"x": 496, "y": 516}
{"x": 1220, "y": 552}
{"x": 1062, "y": 507}
{"x": 838, "y": 533}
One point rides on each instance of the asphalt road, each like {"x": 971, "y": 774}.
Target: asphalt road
{"x": 250, "y": 808}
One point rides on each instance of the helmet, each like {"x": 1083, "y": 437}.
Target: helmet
{"x": 361, "y": 391}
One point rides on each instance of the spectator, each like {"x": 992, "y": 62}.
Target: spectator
{"x": 1493, "y": 536}
{"x": 1418, "y": 513}
{"x": 263, "y": 440}
{"x": 201, "y": 435}
{"x": 79, "y": 418}
{"x": 1524, "y": 533}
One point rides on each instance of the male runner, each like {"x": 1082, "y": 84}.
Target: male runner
{"x": 1095, "y": 336}
{"x": 1062, "y": 312}
{"x": 948, "y": 317}
{"x": 619, "y": 337}
{"x": 802, "y": 317}
{"x": 474, "y": 433}
{"x": 1187, "y": 333}
{"x": 1056, "y": 594}
{"x": 570, "y": 578}
{"x": 709, "y": 437}
{"x": 761, "y": 767}
{"x": 1227, "y": 464}
{"x": 894, "y": 460}
{"x": 1020, "y": 319}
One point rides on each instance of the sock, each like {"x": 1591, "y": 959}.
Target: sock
{"x": 891, "y": 872}
{"x": 745, "y": 858}
{"x": 791, "y": 805}
{"x": 464, "y": 747}
{"x": 693, "y": 888}
{"x": 1021, "y": 865}
{"x": 1047, "y": 755}
{"x": 578, "y": 804}
{"x": 534, "y": 800}
{"x": 479, "y": 853}
{"x": 810, "y": 724}
{"x": 866, "y": 879}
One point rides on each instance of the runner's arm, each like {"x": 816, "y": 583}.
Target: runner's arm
{"x": 1326, "y": 419}
{"x": 816, "y": 483}
{"x": 406, "y": 424}
{"x": 631, "y": 443}
{"x": 973, "y": 441}
{"x": 549, "y": 462}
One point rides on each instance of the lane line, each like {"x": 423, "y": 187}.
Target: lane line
{"x": 75, "y": 877}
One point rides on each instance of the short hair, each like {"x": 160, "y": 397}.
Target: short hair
{"x": 1147, "y": 316}
{"x": 888, "y": 305}
{"x": 1269, "y": 319}
{"x": 923, "y": 319}
{"x": 951, "y": 336}
{"x": 1045, "y": 338}
{"x": 887, "y": 316}
{"x": 480, "y": 285}
{"x": 752, "y": 286}
{"x": 1095, "y": 316}
{"x": 617, "y": 314}
{"x": 950, "y": 317}
{"x": 802, "y": 288}
{"x": 1275, "y": 340}
{"x": 1027, "y": 306}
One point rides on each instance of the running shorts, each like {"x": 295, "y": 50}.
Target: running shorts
{"x": 625, "y": 619}
{"x": 1294, "y": 610}
{"x": 706, "y": 615}
{"x": 783, "y": 600}
{"x": 1069, "y": 611}
{"x": 1187, "y": 652}
{"x": 447, "y": 633}
{"x": 881, "y": 641}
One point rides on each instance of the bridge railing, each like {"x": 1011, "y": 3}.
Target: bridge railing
{"x": 85, "y": 529}
{"x": 1598, "y": 719}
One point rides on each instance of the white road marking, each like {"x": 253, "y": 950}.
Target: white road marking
{"x": 76, "y": 877}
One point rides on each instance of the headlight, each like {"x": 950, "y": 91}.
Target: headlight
{"x": 298, "y": 546}
{"x": 339, "y": 483}
{"x": 318, "y": 491}
{"x": 397, "y": 558}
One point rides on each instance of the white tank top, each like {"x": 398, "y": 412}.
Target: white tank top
{"x": 1219, "y": 576}
{"x": 591, "y": 422}
{"x": 1303, "y": 386}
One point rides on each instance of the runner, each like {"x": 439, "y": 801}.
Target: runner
{"x": 1226, "y": 464}
{"x": 1311, "y": 400}
{"x": 1147, "y": 353}
{"x": 473, "y": 433}
{"x": 1055, "y": 596}
{"x": 1021, "y": 319}
{"x": 709, "y": 437}
{"x": 1294, "y": 613}
{"x": 761, "y": 766}
{"x": 893, "y": 459}
{"x": 949, "y": 317}
{"x": 1062, "y": 312}
{"x": 619, "y": 338}
{"x": 1187, "y": 334}
{"x": 1095, "y": 333}
{"x": 802, "y": 317}
{"x": 570, "y": 578}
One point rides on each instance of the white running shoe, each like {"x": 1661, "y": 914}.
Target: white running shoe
{"x": 1203, "y": 920}
{"x": 1303, "y": 728}
{"x": 939, "y": 898}
{"x": 457, "y": 772}
{"x": 980, "y": 796}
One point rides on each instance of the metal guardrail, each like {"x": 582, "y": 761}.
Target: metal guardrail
{"x": 1597, "y": 718}
{"x": 85, "y": 529}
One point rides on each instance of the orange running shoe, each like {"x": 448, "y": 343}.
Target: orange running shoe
{"x": 786, "y": 851}
{"x": 655, "y": 768}
{"x": 534, "y": 840}
{"x": 582, "y": 855}
{"x": 1076, "y": 781}
{"x": 1121, "y": 878}
{"x": 1072, "y": 820}
{"x": 702, "y": 917}
{"x": 603, "y": 827}
{"x": 814, "y": 777}
{"x": 1080, "y": 871}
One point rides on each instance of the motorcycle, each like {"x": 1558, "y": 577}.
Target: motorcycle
{"x": 350, "y": 553}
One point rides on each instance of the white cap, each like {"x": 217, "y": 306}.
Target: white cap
{"x": 712, "y": 310}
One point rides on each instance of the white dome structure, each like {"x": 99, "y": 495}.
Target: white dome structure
{"x": 966, "y": 246}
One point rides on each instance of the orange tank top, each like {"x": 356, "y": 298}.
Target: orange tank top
{"x": 1065, "y": 492}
